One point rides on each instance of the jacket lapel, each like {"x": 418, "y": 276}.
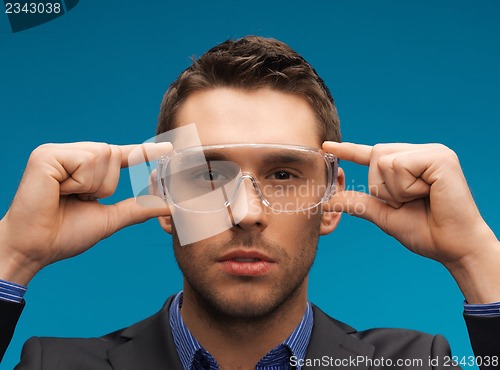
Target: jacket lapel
{"x": 332, "y": 346}
{"x": 148, "y": 345}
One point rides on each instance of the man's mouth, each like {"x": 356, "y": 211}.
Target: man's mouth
{"x": 245, "y": 259}
{"x": 245, "y": 255}
{"x": 246, "y": 263}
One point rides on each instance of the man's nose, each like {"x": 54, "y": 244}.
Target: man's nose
{"x": 254, "y": 217}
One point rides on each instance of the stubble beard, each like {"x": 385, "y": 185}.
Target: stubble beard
{"x": 251, "y": 307}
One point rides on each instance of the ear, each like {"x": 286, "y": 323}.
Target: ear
{"x": 166, "y": 223}
{"x": 330, "y": 219}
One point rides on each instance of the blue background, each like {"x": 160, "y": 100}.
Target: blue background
{"x": 400, "y": 71}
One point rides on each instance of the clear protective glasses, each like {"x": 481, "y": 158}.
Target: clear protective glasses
{"x": 285, "y": 178}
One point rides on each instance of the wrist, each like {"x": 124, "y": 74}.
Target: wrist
{"x": 9, "y": 271}
{"x": 16, "y": 269}
{"x": 478, "y": 274}
{"x": 14, "y": 266}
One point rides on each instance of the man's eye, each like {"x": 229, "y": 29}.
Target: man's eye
{"x": 282, "y": 175}
{"x": 212, "y": 176}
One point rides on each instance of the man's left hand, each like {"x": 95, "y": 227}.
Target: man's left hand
{"x": 419, "y": 195}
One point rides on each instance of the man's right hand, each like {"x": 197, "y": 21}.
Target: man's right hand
{"x": 55, "y": 213}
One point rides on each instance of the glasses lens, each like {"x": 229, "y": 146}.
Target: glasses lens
{"x": 286, "y": 180}
{"x": 294, "y": 180}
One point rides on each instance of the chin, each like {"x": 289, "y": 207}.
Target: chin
{"x": 245, "y": 302}
{"x": 243, "y": 308}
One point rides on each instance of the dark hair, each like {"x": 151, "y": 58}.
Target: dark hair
{"x": 250, "y": 63}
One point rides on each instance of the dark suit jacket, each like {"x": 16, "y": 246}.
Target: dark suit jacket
{"x": 149, "y": 345}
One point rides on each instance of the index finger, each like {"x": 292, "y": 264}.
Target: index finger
{"x": 140, "y": 153}
{"x": 357, "y": 153}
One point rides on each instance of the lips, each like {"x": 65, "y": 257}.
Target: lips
{"x": 242, "y": 255}
{"x": 246, "y": 263}
{"x": 238, "y": 259}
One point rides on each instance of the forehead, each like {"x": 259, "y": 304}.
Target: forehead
{"x": 228, "y": 115}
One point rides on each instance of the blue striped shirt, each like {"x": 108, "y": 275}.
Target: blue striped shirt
{"x": 11, "y": 292}
{"x": 483, "y": 309}
{"x": 194, "y": 357}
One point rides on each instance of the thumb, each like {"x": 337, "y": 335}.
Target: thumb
{"x": 134, "y": 211}
{"x": 360, "y": 205}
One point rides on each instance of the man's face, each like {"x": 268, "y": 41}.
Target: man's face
{"x": 253, "y": 268}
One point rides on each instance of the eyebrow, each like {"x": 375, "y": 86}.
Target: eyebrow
{"x": 297, "y": 157}
{"x": 285, "y": 157}
{"x": 212, "y": 155}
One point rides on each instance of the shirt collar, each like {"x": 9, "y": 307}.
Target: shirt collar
{"x": 188, "y": 347}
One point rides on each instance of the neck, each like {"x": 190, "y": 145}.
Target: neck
{"x": 240, "y": 343}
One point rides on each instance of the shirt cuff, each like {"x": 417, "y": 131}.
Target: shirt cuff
{"x": 11, "y": 292}
{"x": 485, "y": 309}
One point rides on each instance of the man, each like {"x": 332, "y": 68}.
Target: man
{"x": 244, "y": 304}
